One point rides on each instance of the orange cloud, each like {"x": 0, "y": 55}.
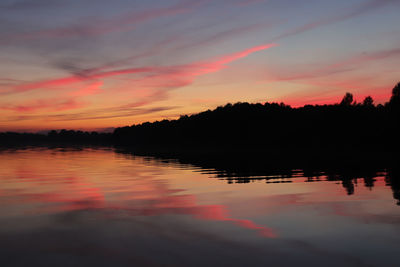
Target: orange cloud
{"x": 45, "y": 104}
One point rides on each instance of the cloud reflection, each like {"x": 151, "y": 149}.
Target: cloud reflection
{"x": 137, "y": 194}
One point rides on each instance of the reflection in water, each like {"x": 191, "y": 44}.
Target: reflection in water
{"x": 139, "y": 197}
{"x": 128, "y": 207}
{"x": 236, "y": 173}
{"x": 393, "y": 180}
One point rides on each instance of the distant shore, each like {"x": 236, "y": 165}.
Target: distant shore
{"x": 346, "y": 132}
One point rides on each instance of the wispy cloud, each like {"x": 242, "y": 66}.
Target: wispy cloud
{"x": 223, "y": 36}
{"x": 350, "y": 64}
{"x": 338, "y": 16}
{"x": 56, "y": 104}
{"x": 165, "y": 45}
{"x": 180, "y": 72}
{"x": 94, "y": 27}
{"x": 91, "y": 89}
{"x": 46, "y": 84}
{"x": 94, "y": 114}
{"x": 52, "y": 104}
{"x": 155, "y": 84}
{"x": 30, "y": 4}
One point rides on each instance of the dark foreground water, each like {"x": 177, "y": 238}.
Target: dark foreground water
{"x": 96, "y": 207}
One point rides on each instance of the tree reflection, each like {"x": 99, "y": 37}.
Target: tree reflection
{"x": 236, "y": 170}
{"x": 392, "y": 179}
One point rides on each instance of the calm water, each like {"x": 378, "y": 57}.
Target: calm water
{"x": 96, "y": 207}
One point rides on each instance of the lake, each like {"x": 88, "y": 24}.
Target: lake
{"x": 99, "y": 207}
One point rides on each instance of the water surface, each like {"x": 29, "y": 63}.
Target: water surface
{"x": 96, "y": 207}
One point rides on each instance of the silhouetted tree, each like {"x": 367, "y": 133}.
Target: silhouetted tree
{"x": 347, "y": 100}
{"x": 394, "y": 114}
{"x": 395, "y": 99}
{"x": 368, "y": 101}
{"x": 52, "y": 134}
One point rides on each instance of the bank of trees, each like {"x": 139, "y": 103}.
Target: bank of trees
{"x": 342, "y": 125}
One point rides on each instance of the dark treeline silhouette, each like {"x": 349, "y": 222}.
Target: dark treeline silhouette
{"x": 347, "y": 129}
{"x": 55, "y": 137}
{"x": 341, "y": 127}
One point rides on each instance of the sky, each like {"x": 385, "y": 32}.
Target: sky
{"x": 99, "y": 64}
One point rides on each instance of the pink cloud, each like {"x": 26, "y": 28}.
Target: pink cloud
{"x": 168, "y": 78}
{"x": 154, "y": 86}
{"x": 182, "y": 75}
{"x": 229, "y": 58}
{"x": 76, "y": 79}
{"x": 174, "y": 76}
{"x": 48, "y": 83}
{"x": 91, "y": 89}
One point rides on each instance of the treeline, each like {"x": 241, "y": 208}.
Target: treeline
{"x": 342, "y": 126}
{"x": 339, "y": 127}
{"x": 55, "y": 137}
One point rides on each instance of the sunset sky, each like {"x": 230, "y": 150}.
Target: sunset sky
{"x": 98, "y": 64}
